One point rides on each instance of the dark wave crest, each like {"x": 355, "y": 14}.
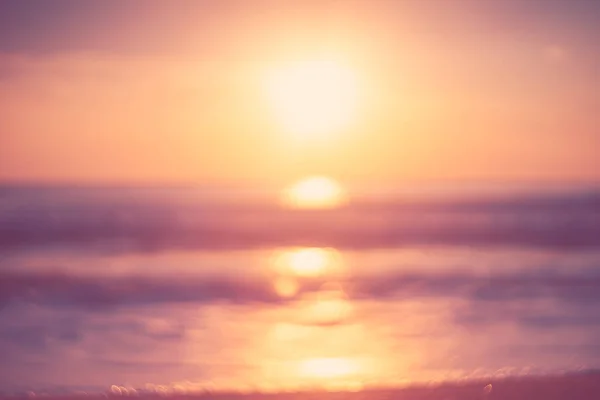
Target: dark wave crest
{"x": 128, "y": 220}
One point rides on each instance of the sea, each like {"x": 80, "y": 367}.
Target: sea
{"x": 123, "y": 291}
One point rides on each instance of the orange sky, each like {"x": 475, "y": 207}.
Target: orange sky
{"x": 471, "y": 90}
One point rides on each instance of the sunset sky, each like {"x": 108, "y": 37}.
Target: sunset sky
{"x": 178, "y": 92}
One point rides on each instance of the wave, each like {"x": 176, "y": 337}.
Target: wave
{"x": 120, "y": 219}
{"x": 102, "y": 291}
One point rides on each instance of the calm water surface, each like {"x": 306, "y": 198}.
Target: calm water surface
{"x": 183, "y": 289}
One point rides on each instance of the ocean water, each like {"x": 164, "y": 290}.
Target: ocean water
{"x": 178, "y": 290}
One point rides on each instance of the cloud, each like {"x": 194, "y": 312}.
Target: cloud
{"x": 555, "y": 53}
{"x": 111, "y": 27}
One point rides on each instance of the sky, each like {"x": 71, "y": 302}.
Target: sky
{"x": 174, "y": 92}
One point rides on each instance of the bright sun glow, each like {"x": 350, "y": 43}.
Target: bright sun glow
{"x": 315, "y": 192}
{"x": 313, "y": 98}
{"x": 328, "y": 368}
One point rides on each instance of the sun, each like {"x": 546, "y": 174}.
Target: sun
{"x": 313, "y": 98}
{"x": 315, "y": 192}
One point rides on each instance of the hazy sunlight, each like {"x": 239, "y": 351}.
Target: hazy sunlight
{"x": 315, "y": 192}
{"x": 313, "y": 98}
{"x": 327, "y": 368}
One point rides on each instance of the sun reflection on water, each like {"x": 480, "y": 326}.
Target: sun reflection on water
{"x": 307, "y": 262}
{"x": 292, "y": 266}
{"x": 285, "y": 287}
{"x": 326, "y": 307}
{"x": 312, "y": 343}
{"x": 314, "y": 340}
